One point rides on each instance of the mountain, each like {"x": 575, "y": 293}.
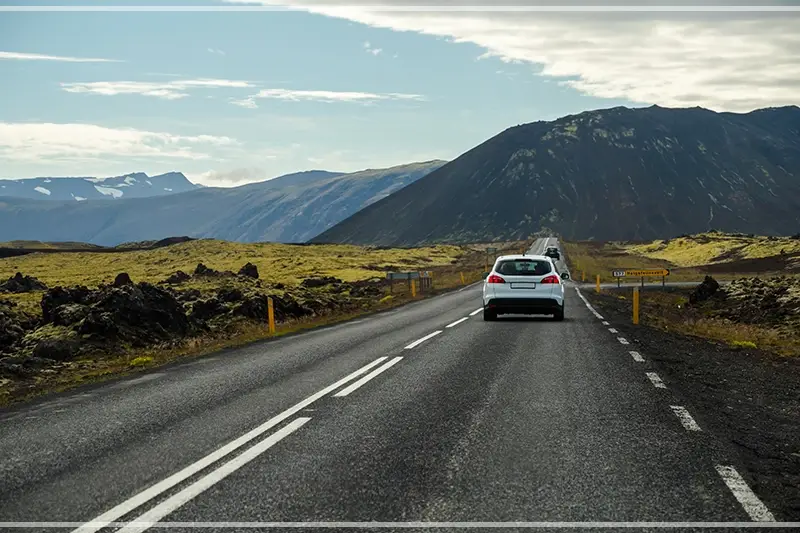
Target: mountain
{"x": 136, "y": 185}
{"x": 290, "y": 208}
{"x": 611, "y": 174}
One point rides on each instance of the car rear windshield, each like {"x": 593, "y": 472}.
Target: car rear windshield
{"x": 524, "y": 267}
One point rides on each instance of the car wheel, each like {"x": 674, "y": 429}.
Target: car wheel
{"x": 489, "y": 316}
{"x": 559, "y": 314}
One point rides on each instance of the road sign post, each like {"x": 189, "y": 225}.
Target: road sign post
{"x": 641, "y": 273}
{"x": 636, "y": 305}
{"x": 597, "y": 288}
{"x": 271, "y": 315}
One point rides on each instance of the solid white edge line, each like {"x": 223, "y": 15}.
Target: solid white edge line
{"x": 622, "y": 340}
{"x": 423, "y": 339}
{"x": 750, "y": 502}
{"x": 215, "y": 476}
{"x": 151, "y": 492}
{"x": 353, "y": 386}
{"x": 656, "y": 380}
{"x": 686, "y": 419}
{"x": 475, "y": 312}
{"x": 637, "y": 357}
{"x": 457, "y": 322}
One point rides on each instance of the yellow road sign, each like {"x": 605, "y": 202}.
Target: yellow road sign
{"x": 640, "y": 273}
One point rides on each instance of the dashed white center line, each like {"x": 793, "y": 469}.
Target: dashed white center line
{"x": 612, "y": 330}
{"x": 374, "y": 373}
{"x": 656, "y": 380}
{"x": 423, "y": 339}
{"x": 169, "y": 505}
{"x": 605, "y": 323}
{"x": 752, "y": 505}
{"x": 457, "y": 322}
{"x": 475, "y": 312}
{"x": 637, "y": 357}
{"x": 622, "y": 340}
{"x": 685, "y": 418}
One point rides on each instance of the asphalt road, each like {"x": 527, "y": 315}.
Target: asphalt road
{"x": 523, "y": 419}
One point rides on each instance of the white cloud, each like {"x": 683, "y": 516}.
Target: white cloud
{"x": 323, "y": 96}
{"x": 722, "y": 61}
{"x": 230, "y": 178}
{"x": 170, "y": 90}
{"x": 216, "y": 51}
{"x": 45, "y": 141}
{"x": 19, "y": 56}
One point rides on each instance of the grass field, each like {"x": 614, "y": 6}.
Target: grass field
{"x": 689, "y": 258}
{"x": 277, "y": 263}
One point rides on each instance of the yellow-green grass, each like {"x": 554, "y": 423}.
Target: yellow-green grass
{"x": 710, "y": 248}
{"x": 667, "y": 311}
{"x": 591, "y": 259}
{"x": 283, "y": 263}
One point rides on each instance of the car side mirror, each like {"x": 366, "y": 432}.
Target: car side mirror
{"x": 485, "y": 275}
{"x": 565, "y": 275}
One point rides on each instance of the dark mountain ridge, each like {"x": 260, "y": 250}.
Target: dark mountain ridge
{"x": 610, "y": 174}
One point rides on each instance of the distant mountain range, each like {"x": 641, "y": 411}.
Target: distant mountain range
{"x": 136, "y": 185}
{"x": 611, "y": 174}
{"x": 291, "y": 208}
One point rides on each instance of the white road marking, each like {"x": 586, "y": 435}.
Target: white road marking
{"x": 174, "y": 502}
{"x": 754, "y": 507}
{"x": 151, "y": 492}
{"x": 475, "y": 312}
{"x": 685, "y": 418}
{"x": 637, "y": 357}
{"x": 606, "y": 323}
{"x": 423, "y": 339}
{"x": 457, "y": 322}
{"x": 656, "y": 380}
{"x": 622, "y": 340}
{"x": 350, "y": 388}
{"x": 612, "y": 330}
{"x": 686, "y": 526}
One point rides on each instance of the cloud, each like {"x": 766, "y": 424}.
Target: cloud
{"x": 171, "y": 90}
{"x": 230, "y": 178}
{"x": 42, "y": 141}
{"x": 216, "y": 51}
{"x": 19, "y": 56}
{"x": 323, "y": 96}
{"x": 722, "y": 61}
{"x": 370, "y": 50}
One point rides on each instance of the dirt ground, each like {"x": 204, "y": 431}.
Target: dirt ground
{"x": 747, "y": 400}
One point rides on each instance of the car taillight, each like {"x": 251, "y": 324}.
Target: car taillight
{"x": 494, "y": 278}
{"x": 550, "y": 279}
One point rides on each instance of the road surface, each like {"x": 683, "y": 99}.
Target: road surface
{"x": 422, "y": 414}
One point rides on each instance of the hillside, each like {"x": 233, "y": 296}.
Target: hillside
{"x": 612, "y": 174}
{"x": 291, "y": 208}
{"x": 136, "y": 185}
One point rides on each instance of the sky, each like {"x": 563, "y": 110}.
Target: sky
{"x": 229, "y": 96}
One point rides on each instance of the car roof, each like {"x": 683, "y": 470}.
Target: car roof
{"x": 520, "y": 256}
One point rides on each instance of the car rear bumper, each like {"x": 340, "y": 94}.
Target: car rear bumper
{"x": 523, "y": 306}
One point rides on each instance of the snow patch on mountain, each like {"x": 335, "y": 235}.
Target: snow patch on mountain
{"x": 109, "y": 191}
{"x": 42, "y": 190}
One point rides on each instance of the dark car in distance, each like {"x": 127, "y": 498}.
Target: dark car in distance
{"x": 553, "y": 253}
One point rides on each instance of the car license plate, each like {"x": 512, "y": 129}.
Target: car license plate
{"x": 523, "y": 285}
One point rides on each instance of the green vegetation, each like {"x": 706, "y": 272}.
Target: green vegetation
{"x": 276, "y": 263}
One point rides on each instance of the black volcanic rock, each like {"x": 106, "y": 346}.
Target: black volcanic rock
{"x": 611, "y": 174}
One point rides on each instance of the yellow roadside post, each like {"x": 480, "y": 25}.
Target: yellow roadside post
{"x": 463, "y": 281}
{"x": 583, "y": 276}
{"x": 636, "y": 305}
{"x": 413, "y": 288}
{"x": 271, "y": 316}
{"x": 597, "y": 288}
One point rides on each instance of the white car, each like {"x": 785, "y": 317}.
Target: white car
{"x": 523, "y": 284}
